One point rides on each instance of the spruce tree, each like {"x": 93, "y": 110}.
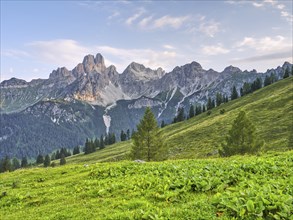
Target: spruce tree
{"x": 163, "y": 124}
{"x": 15, "y": 164}
{"x": 40, "y": 159}
{"x": 191, "y": 111}
{"x": 147, "y": 141}
{"x": 241, "y": 138}
{"x": 102, "y": 143}
{"x": 62, "y": 160}
{"x": 219, "y": 99}
{"x": 76, "y": 150}
{"x": 122, "y": 136}
{"x": 209, "y": 104}
{"x": 128, "y": 134}
{"x": 24, "y": 162}
{"x": 234, "y": 94}
{"x": 47, "y": 161}
{"x": 6, "y": 165}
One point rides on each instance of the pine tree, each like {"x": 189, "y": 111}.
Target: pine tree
{"x": 209, "y": 104}
{"x": 219, "y": 99}
{"x": 6, "y": 165}
{"x": 234, "y": 94}
{"x": 147, "y": 141}
{"x": 15, "y": 164}
{"x": 47, "y": 161}
{"x": 203, "y": 108}
{"x": 191, "y": 111}
{"x": 241, "y": 138}
{"x": 180, "y": 115}
{"x": 102, "y": 143}
{"x": 76, "y": 150}
{"x": 62, "y": 160}
{"x": 128, "y": 134}
{"x": 40, "y": 159}
{"x": 122, "y": 136}
{"x": 163, "y": 124}
{"x": 24, "y": 162}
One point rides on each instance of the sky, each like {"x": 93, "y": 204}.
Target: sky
{"x": 40, "y": 36}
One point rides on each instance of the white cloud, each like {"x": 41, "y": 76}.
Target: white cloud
{"x": 169, "y": 47}
{"x": 145, "y": 21}
{"x": 60, "y": 52}
{"x": 68, "y": 53}
{"x": 10, "y": 70}
{"x": 210, "y": 28}
{"x": 174, "y": 22}
{"x": 134, "y": 17}
{"x": 114, "y": 15}
{"x": 265, "y": 44}
{"x": 122, "y": 57}
{"x": 256, "y": 4}
{"x": 14, "y": 53}
{"x": 214, "y": 50}
{"x": 281, "y": 6}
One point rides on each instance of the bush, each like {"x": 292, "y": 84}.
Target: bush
{"x": 222, "y": 111}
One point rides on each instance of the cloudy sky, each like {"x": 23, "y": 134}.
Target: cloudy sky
{"x": 39, "y": 36}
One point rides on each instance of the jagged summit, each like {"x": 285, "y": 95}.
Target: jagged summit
{"x": 91, "y": 63}
{"x": 231, "y": 69}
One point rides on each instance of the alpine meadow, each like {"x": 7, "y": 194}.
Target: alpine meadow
{"x": 146, "y": 110}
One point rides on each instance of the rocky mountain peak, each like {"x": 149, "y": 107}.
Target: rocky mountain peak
{"x": 231, "y": 69}
{"x": 60, "y": 73}
{"x": 14, "y": 82}
{"x": 91, "y": 63}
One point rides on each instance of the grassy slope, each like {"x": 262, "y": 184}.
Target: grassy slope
{"x": 218, "y": 188}
{"x": 270, "y": 108}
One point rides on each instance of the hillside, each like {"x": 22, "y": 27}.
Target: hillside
{"x": 270, "y": 108}
{"x": 240, "y": 187}
{"x": 43, "y": 115}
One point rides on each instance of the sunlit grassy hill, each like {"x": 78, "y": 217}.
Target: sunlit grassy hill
{"x": 240, "y": 187}
{"x": 270, "y": 108}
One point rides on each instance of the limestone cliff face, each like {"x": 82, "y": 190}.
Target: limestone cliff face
{"x": 91, "y": 81}
{"x": 91, "y": 99}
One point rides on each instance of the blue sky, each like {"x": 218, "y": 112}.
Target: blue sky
{"x": 39, "y": 36}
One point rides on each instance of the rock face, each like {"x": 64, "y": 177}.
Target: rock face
{"x": 91, "y": 99}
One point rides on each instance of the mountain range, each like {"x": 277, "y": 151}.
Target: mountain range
{"x": 92, "y": 99}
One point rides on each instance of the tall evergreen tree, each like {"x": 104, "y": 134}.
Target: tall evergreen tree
{"x": 128, "y": 134}
{"x": 15, "y": 164}
{"x": 163, "y": 124}
{"x": 62, "y": 160}
{"x": 219, "y": 99}
{"x": 191, "y": 111}
{"x": 241, "y": 138}
{"x": 180, "y": 115}
{"x": 102, "y": 142}
{"x": 123, "y": 136}
{"x": 209, "y": 104}
{"x": 47, "y": 161}
{"x": 147, "y": 141}
{"x": 24, "y": 162}
{"x": 40, "y": 159}
{"x": 6, "y": 164}
{"x": 76, "y": 150}
{"x": 234, "y": 94}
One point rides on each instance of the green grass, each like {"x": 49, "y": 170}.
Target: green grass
{"x": 249, "y": 187}
{"x": 270, "y": 109}
{"x": 239, "y": 187}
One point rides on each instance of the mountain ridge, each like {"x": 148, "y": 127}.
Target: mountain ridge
{"x": 92, "y": 99}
